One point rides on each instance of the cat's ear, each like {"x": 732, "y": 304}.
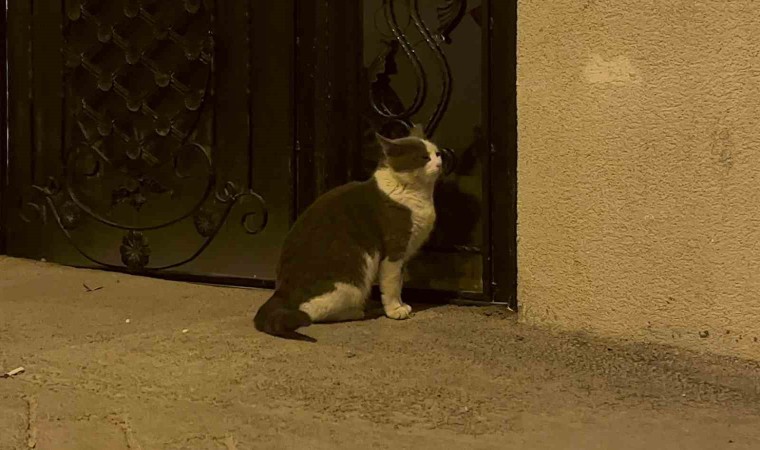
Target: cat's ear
{"x": 390, "y": 147}
{"x": 382, "y": 140}
{"x": 417, "y": 131}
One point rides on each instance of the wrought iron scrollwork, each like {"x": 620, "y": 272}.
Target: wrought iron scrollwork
{"x": 443, "y": 67}
{"x": 400, "y": 38}
{"x": 135, "y": 249}
{"x": 139, "y": 74}
{"x": 392, "y": 117}
{"x": 412, "y": 41}
{"x": 450, "y": 14}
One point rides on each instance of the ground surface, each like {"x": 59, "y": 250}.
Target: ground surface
{"x": 449, "y": 378}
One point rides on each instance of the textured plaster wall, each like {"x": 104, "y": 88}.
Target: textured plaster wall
{"x": 639, "y": 169}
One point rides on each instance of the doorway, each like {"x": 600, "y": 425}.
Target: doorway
{"x": 181, "y": 138}
{"x": 383, "y": 65}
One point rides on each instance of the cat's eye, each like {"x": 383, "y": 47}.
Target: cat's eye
{"x": 426, "y": 158}
{"x": 438, "y": 154}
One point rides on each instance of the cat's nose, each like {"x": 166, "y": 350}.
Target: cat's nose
{"x": 448, "y": 160}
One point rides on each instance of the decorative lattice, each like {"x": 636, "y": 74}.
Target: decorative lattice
{"x": 139, "y": 73}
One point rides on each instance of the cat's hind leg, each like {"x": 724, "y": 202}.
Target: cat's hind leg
{"x": 344, "y": 303}
{"x": 347, "y": 315}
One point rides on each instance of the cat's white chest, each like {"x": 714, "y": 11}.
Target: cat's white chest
{"x": 419, "y": 201}
{"x": 423, "y": 221}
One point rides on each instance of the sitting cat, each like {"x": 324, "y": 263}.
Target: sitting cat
{"x": 350, "y": 235}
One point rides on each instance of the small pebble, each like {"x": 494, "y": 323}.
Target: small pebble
{"x": 127, "y": 321}
{"x": 185, "y": 330}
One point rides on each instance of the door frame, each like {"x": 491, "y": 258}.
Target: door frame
{"x": 3, "y": 126}
{"x": 500, "y": 183}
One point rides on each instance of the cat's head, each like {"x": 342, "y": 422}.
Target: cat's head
{"x": 413, "y": 155}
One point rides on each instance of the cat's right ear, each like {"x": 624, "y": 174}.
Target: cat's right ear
{"x": 390, "y": 148}
{"x": 417, "y": 131}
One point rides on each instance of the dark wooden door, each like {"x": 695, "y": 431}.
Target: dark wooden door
{"x": 151, "y": 135}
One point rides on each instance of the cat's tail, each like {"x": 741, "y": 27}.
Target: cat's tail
{"x": 276, "y": 318}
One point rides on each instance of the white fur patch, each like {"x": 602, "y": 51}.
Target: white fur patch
{"x": 415, "y": 191}
{"x": 391, "y": 278}
{"x": 435, "y": 165}
{"x": 343, "y": 303}
{"x": 346, "y": 301}
{"x": 391, "y": 282}
{"x": 372, "y": 265}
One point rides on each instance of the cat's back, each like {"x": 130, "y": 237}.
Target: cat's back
{"x": 357, "y": 198}
{"x": 344, "y": 214}
{"x": 331, "y": 241}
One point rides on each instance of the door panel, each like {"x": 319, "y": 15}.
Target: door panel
{"x": 422, "y": 61}
{"x": 153, "y": 135}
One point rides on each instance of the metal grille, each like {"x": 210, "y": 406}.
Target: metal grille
{"x": 138, "y": 141}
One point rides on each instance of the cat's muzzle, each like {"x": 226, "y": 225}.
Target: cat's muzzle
{"x": 449, "y": 159}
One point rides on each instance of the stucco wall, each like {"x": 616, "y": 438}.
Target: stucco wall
{"x": 639, "y": 169}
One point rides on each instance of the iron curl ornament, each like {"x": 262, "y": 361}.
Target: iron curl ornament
{"x": 449, "y": 13}
{"x": 397, "y": 119}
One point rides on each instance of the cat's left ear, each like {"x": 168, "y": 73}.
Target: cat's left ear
{"x": 417, "y": 131}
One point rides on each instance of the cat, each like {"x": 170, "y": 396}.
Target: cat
{"x": 353, "y": 235}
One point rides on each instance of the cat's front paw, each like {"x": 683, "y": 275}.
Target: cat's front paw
{"x": 399, "y": 312}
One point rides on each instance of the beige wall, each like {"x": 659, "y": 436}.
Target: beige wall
{"x": 639, "y": 169}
